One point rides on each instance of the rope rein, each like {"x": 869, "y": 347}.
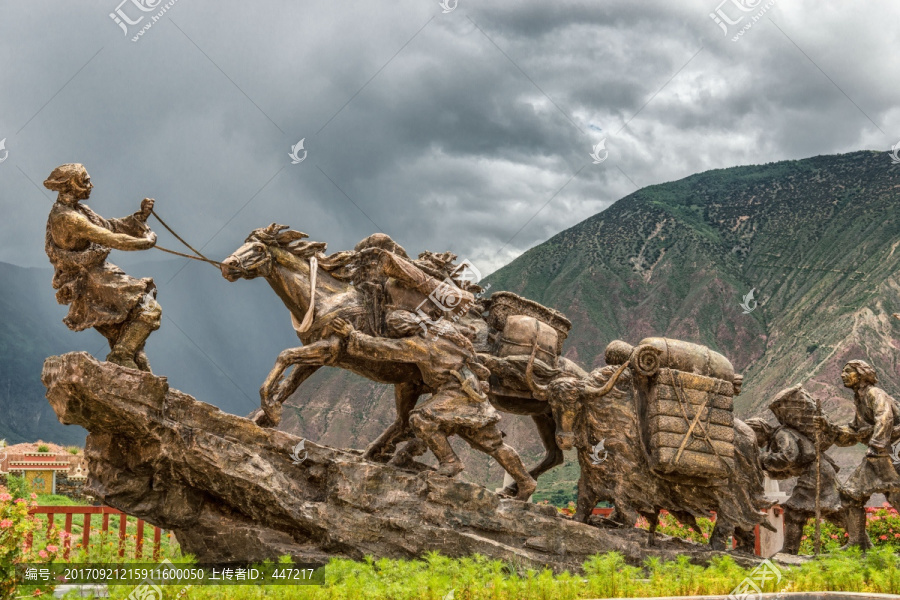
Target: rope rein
{"x": 300, "y": 327}
{"x": 199, "y": 256}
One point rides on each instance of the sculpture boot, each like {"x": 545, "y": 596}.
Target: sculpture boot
{"x": 131, "y": 341}
{"x": 855, "y": 520}
{"x": 450, "y": 465}
{"x": 429, "y": 432}
{"x": 511, "y": 462}
{"x": 141, "y": 360}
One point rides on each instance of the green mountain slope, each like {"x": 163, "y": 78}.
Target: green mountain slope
{"x": 817, "y": 239}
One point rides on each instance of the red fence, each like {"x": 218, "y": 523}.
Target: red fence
{"x": 87, "y": 512}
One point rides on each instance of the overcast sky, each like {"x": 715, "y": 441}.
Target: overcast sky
{"x": 468, "y": 130}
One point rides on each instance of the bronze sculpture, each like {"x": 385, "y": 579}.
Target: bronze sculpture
{"x": 614, "y": 406}
{"x": 99, "y": 294}
{"x": 788, "y": 450}
{"x": 316, "y": 291}
{"x": 877, "y": 424}
{"x": 362, "y": 286}
{"x": 458, "y": 406}
{"x": 662, "y": 410}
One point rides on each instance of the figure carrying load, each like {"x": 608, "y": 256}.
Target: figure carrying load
{"x": 99, "y": 294}
{"x": 789, "y": 450}
{"x": 458, "y": 405}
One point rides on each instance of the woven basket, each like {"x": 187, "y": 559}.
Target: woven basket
{"x": 506, "y": 304}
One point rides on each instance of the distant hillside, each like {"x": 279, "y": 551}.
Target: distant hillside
{"x": 217, "y": 341}
{"x": 26, "y": 338}
{"x": 816, "y": 238}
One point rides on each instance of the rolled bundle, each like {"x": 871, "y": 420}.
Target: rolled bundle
{"x": 691, "y": 358}
{"x": 689, "y": 407}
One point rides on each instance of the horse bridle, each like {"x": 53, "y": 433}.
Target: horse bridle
{"x": 246, "y": 271}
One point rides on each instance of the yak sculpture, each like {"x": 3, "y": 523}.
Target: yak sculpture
{"x": 605, "y": 416}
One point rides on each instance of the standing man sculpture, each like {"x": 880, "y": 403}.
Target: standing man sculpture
{"x": 99, "y": 294}
{"x": 877, "y": 424}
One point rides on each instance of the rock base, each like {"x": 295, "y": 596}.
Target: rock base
{"x": 232, "y": 491}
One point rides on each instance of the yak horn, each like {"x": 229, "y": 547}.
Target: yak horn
{"x": 608, "y": 386}
{"x": 540, "y": 392}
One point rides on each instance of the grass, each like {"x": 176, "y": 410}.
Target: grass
{"x": 58, "y": 500}
{"x": 478, "y": 578}
{"x": 434, "y": 576}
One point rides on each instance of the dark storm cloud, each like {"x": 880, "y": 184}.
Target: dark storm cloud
{"x": 447, "y": 131}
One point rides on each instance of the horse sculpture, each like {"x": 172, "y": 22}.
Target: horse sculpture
{"x": 315, "y": 297}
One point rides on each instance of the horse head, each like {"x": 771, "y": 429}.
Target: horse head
{"x": 258, "y": 255}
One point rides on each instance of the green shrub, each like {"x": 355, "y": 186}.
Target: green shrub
{"x": 882, "y": 525}
{"x": 18, "y": 486}
{"x": 15, "y": 525}
{"x": 43, "y": 448}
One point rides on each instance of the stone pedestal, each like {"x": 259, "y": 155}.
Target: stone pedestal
{"x": 232, "y": 491}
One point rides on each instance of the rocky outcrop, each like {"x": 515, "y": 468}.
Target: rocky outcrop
{"x": 232, "y": 491}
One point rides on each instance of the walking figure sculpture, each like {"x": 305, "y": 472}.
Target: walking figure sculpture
{"x": 876, "y": 424}
{"x": 458, "y": 406}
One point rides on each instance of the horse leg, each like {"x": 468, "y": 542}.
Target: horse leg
{"x": 553, "y": 457}
{"x": 406, "y": 395}
{"x": 274, "y": 391}
{"x": 287, "y": 387}
{"x": 587, "y": 500}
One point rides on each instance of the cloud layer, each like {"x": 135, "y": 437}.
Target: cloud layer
{"x": 458, "y": 130}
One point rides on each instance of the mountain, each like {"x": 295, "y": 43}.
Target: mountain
{"x": 816, "y": 240}
{"x": 25, "y": 340}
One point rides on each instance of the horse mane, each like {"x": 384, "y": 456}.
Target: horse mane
{"x": 290, "y": 240}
